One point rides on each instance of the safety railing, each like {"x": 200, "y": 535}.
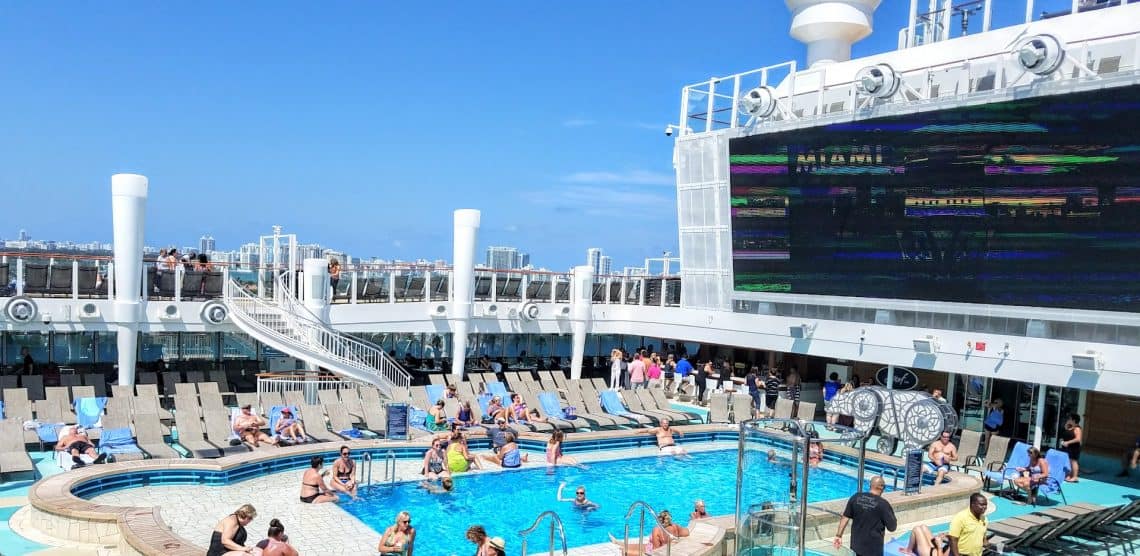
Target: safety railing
{"x": 390, "y": 466}
{"x": 557, "y": 531}
{"x": 309, "y": 385}
{"x": 290, "y": 325}
{"x": 788, "y": 93}
{"x": 645, "y": 508}
{"x": 365, "y": 477}
{"x": 343, "y": 347}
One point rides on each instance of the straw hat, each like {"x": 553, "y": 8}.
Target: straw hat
{"x": 498, "y": 542}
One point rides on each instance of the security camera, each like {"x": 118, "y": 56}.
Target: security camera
{"x": 668, "y": 131}
{"x": 46, "y": 318}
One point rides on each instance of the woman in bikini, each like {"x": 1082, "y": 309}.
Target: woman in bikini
{"x": 398, "y": 538}
{"x": 313, "y": 489}
{"x": 435, "y": 461}
{"x": 495, "y": 409}
{"x": 518, "y": 411}
{"x": 554, "y": 452}
{"x": 465, "y": 417}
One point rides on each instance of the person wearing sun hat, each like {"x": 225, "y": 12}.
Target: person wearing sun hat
{"x": 288, "y": 427}
{"x": 498, "y": 546}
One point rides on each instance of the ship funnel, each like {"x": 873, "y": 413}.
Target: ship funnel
{"x": 830, "y": 27}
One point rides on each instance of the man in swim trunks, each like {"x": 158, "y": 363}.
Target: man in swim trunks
{"x": 665, "y": 441}
{"x": 248, "y": 427}
{"x": 75, "y": 442}
{"x": 344, "y": 473}
{"x": 942, "y": 454}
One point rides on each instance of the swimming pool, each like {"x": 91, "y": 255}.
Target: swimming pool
{"x": 506, "y": 503}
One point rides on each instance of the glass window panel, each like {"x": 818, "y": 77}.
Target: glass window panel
{"x": 201, "y": 346}
{"x": 37, "y": 345}
{"x": 158, "y": 345}
{"x": 73, "y": 348}
{"x": 237, "y": 345}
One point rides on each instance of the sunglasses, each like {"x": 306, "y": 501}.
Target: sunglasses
{"x": 581, "y": 493}
{"x": 406, "y": 522}
{"x": 344, "y": 453}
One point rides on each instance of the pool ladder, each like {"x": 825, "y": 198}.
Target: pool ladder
{"x": 555, "y": 525}
{"x": 641, "y": 529}
{"x": 389, "y": 468}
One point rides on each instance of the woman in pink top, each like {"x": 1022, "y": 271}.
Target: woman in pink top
{"x": 554, "y": 452}
{"x": 637, "y": 378}
{"x": 654, "y": 371}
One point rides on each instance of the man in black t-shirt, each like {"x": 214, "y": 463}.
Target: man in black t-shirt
{"x": 870, "y": 514}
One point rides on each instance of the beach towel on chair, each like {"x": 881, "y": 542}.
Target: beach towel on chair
{"x": 275, "y": 417}
{"x": 612, "y": 404}
{"x": 351, "y": 433}
{"x": 434, "y": 392}
{"x": 551, "y": 405}
{"x": 498, "y": 389}
{"x": 118, "y": 441}
{"x": 88, "y": 411}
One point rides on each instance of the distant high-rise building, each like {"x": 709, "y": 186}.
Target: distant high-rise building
{"x": 24, "y": 235}
{"x": 605, "y": 265}
{"x": 594, "y": 259}
{"x": 506, "y": 258}
{"x": 206, "y": 244}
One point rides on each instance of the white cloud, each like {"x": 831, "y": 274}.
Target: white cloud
{"x": 593, "y": 200}
{"x": 398, "y": 244}
{"x": 632, "y": 177}
{"x": 578, "y": 122}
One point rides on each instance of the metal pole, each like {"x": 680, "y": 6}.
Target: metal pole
{"x": 947, "y": 11}
{"x": 551, "y": 537}
{"x": 1039, "y": 417}
{"x": 862, "y": 461}
{"x": 641, "y": 532}
{"x": 890, "y": 377}
{"x": 1028, "y": 11}
{"x": 802, "y": 533}
{"x": 986, "y": 15}
{"x": 740, "y": 472}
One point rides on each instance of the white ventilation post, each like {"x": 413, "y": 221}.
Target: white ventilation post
{"x": 128, "y": 217}
{"x": 462, "y": 281}
{"x": 830, "y": 27}
{"x": 581, "y": 300}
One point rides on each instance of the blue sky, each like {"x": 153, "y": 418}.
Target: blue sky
{"x": 363, "y": 125}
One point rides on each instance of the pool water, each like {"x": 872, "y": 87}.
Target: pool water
{"x": 506, "y": 503}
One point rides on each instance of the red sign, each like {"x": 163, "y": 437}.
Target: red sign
{"x": 980, "y": 346}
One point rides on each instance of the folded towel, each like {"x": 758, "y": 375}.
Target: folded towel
{"x": 88, "y": 411}
{"x": 117, "y": 441}
{"x": 612, "y": 404}
{"x": 48, "y": 432}
{"x": 416, "y": 418}
{"x": 351, "y": 433}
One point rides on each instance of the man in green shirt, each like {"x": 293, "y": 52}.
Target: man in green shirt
{"x": 968, "y": 528}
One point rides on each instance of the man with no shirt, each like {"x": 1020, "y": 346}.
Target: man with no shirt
{"x": 665, "y": 441}
{"x": 942, "y": 454}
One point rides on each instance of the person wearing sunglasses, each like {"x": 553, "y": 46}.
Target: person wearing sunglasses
{"x": 579, "y": 501}
{"x": 398, "y": 538}
{"x": 344, "y": 473}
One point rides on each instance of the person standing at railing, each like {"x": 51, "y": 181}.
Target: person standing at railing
{"x": 334, "y": 275}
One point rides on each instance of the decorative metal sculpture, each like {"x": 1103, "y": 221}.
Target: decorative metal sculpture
{"x": 915, "y": 418}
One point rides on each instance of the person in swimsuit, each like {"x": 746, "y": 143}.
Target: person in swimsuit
{"x": 248, "y": 427}
{"x": 509, "y": 455}
{"x": 923, "y": 542}
{"x": 1071, "y": 438}
{"x": 495, "y": 409}
{"x": 518, "y": 409}
{"x": 699, "y": 511}
{"x": 398, "y": 538}
{"x": 815, "y": 454}
{"x": 458, "y": 458}
{"x": 437, "y": 418}
{"x": 478, "y": 536}
{"x": 942, "y": 454}
{"x": 579, "y": 500}
{"x": 664, "y": 533}
{"x": 1030, "y": 477}
{"x": 74, "y": 441}
{"x": 229, "y": 536}
{"x": 496, "y": 546}
{"x": 288, "y": 427}
{"x": 434, "y": 460}
{"x": 554, "y": 452}
{"x": 276, "y": 542}
{"x": 444, "y": 487}
{"x": 344, "y": 473}
{"x": 465, "y": 417}
{"x": 665, "y": 441}
{"x": 313, "y": 489}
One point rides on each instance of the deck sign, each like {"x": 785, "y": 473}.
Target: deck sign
{"x": 397, "y": 426}
{"x": 913, "y": 480}
{"x": 904, "y": 379}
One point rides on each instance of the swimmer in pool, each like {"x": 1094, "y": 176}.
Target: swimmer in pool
{"x": 579, "y": 500}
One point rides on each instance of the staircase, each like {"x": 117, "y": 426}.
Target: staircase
{"x": 286, "y": 325}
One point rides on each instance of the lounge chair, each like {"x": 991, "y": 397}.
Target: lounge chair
{"x": 995, "y": 456}
{"x": 313, "y": 416}
{"x": 597, "y": 419}
{"x": 633, "y": 401}
{"x": 13, "y": 457}
{"x": 220, "y": 432}
{"x": 550, "y": 404}
{"x": 805, "y": 411}
{"x": 1013, "y": 534}
{"x": 741, "y": 407}
{"x": 119, "y": 443}
{"x": 149, "y": 435}
{"x": 84, "y": 392}
{"x": 1058, "y": 468}
{"x": 655, "y": 399}
{"x": 592, "y": 402}
{"x": 784, "y": 408}
{"x": 718, "y": 408}
{"x": 341, "y": 423}
{"x": 614, "y": 406}
{"x": 968, "y": 444}
{"x": 192, "y": 438}
{"x": 532, "y": 401}
{"x": 1006, "y": 472}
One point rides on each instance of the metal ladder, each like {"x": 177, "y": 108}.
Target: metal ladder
{"x": 641, "y": 529}
{"x": 555, "y": 524}
{"x": 366, "y": 468}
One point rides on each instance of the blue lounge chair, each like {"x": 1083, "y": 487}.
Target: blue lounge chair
{"x": 434, "y": 392}
{"x": 612, "y": 404}
{"x": 498, "y": 389}
{"x": 1019, "y": 457}
{"x": 1058, "y": 469}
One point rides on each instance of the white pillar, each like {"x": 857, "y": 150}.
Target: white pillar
{"x": 1039, "y": 414}
{"x": 128, "y": 216}
{"x": 890, "y": 377}
{"x": 581, "y": 299}
{"x": 463, "y": 284}
{"x": 315, "y": 287}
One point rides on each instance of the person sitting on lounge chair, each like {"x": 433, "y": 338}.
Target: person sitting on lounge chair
{"x": 74, "y": 441}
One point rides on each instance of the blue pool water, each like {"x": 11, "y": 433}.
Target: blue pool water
{"x": 506, "y": 503}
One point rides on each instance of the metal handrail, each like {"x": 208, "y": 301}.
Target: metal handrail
{"x": 641, "y": 528}
{"x": 390, "y": 466}
{"x": 366, "y": 460}
{"x": 309, "y": 334}
{"x": 555, "y": 521}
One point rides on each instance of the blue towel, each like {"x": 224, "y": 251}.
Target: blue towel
{"x": 351, "y": 433}
{"x": 416, "y": 418}
{"x": 551, "y": 405}
{"x": 499, "y": 389}
{"x": 1, "y": 411}
{"x": 612, "y": 404}
{"x": 434, "y": 393}
{"x": 88, "y": 411}
{"x": 118, "y": 441}
{"x": 48, "y": 432}
{"x": 895, "y": 547}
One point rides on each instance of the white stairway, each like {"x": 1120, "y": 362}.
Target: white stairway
{"x": 286, "y": 325}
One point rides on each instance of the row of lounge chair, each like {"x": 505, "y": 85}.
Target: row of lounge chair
{"x": 1070, "y": 529}
{"x": 34, "y": 384}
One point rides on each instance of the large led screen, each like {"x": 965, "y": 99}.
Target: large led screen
{"x": 1030, "y": 202}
